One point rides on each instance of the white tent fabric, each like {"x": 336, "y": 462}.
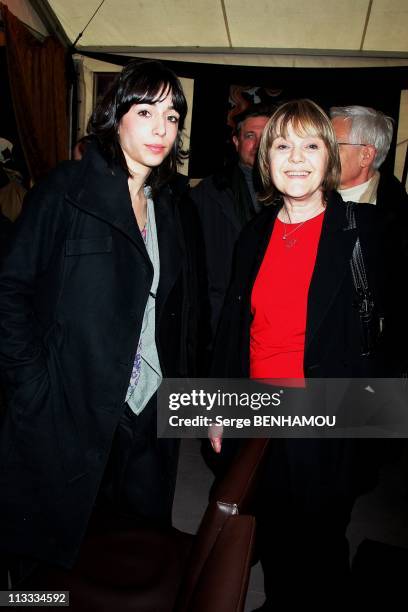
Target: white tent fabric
{"x": 346, "y": 26}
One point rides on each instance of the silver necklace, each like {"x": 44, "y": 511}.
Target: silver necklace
{"x": 291, "y": 243}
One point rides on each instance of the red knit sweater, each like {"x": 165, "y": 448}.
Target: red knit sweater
{"x": 279, "y": 301}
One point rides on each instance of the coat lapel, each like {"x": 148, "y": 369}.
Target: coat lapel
{"x": 332, "y": 264}
{"x": 263, "y": 235}
{"x": 103, "y": 192}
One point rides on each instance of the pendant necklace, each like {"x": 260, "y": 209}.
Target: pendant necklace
{"x": 290, "y": 243}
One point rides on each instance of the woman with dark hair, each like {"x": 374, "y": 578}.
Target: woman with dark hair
{"x": 97, "y": 304}
{"x": 148, "y": 83}
{"x": 292, "y": 313}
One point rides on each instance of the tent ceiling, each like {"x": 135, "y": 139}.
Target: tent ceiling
{"x": 379, "y": 26}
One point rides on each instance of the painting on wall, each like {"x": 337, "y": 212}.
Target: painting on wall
{"x": 102, "y": 83}
{"x": 242, "y": 97}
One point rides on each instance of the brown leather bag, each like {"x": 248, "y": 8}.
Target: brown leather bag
{"x": 131, "y": 567}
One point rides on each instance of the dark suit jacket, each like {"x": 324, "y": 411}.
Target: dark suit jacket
{"x": 392, "y": 205}
{"x": 73, "y": 289}
{"x": 391, "y": 193}
{"x": 392, "y": 201}
{"x": 224, "y": 206}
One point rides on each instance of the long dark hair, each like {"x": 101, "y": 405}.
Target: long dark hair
{"x": 139, "y": 81}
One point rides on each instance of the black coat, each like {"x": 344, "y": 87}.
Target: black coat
{"x": 332, "y": 343}
{"x": 73, "y": 289}
{"x": 392, "y": 206}
{"x": 224, "y": 206}
{"x": 391, "y": 194}
{"x": 332, "y": 350}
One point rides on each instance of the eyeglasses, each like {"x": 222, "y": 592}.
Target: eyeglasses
{"x": 353, "y": 144}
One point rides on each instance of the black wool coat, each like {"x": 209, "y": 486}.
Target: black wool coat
{"x": 73, "y": 289}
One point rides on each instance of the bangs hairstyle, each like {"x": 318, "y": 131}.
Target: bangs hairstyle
{"x": 144, "y": 82}
{"x": 307, "y": 119}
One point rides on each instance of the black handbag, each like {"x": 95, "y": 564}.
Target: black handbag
{"x": 371, "y": 323}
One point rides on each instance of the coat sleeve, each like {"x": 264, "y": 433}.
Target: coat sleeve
{"x": 37, "y": 236}
{"x": 230, "y": 357}
{"x": 395, "y": 267}
{"x": 219, "y": 237}
{"x": 201, "y": 201}
{"x": 196, "y": 286}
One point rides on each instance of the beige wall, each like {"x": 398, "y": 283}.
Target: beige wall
{"x": 402, "y": 136}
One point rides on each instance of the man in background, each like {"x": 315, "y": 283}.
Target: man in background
{"x": 364, "y": 136}
{"x": 226, "y": 201}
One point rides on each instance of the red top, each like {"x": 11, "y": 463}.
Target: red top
{"x": 279, "y": 300}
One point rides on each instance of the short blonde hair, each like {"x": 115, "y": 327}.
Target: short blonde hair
{"x": 307, "y": 118}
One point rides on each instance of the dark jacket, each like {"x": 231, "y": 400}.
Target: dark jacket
{"x": 392, "y": 205}
{"x": 73, "y": 289}
{"x": 391, "y": 193}
{"x": 332, "y": 343}
{"x": 392, "y": 201}
{"x": 224, "y": 206}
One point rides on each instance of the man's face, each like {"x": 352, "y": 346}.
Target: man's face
{"x": 247, "y": 142}
{"x": 353, "y": 157}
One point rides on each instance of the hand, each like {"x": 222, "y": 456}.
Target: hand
{"x": 215, "y": 436}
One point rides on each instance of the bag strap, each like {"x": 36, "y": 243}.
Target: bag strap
{"x": 365, "y": 299}
{"x": 357, "y": 262}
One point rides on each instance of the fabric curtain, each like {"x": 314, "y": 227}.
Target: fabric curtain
{"x": 38, "y": 84}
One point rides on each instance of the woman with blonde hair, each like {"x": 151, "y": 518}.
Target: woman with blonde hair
{"x": 291, "y": 314}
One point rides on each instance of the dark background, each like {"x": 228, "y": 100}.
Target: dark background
{"x": 378, "y": 88}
